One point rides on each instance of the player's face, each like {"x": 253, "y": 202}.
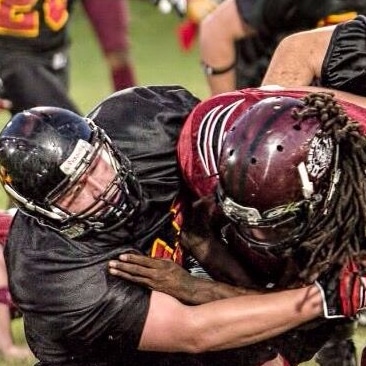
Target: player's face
{"x": 91, "y": 190}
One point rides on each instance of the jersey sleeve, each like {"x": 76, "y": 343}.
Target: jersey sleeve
{"x": 344, "y": 64}
{"x": 275, "y": 17}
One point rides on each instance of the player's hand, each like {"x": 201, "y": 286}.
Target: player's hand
{"x": 197, "y": 10}
{"x": 5, "y": 104}
{"x": 158, "y": 274}
{"x": 343, "y": 290}
{"x": 166, "y": 276}
{"x": 166, "y": 6}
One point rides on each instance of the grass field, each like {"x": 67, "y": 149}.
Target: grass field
{"x": 158, "y": 60}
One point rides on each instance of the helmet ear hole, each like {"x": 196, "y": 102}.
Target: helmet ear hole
{"x": 279, "y": 148}
{"x": 253, "y": 161}
{"x": 296, "y": 127}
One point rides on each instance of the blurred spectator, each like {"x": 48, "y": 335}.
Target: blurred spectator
{"x": 8, "y": 349}
{"x": 110, "y": 19}
{"x": 238, "y": 38}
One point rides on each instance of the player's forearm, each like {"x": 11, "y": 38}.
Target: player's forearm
{"x": 218, "y": 33}
{"x": 229, "y": 323}
{"x": 298, "y": 59}
{"x": 214, "y": 257}
{"x": 256, "y": 318}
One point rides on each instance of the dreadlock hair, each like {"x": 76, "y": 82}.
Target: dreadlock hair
{"x": 337, "y": 226}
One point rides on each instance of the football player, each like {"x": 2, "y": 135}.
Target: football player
{"x": 251, "y": 139}
{"x": 35, "y": 45}
{"x": 90, "y": 188}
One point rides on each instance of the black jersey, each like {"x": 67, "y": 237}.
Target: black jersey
{"x": 74, "y": 311}
{"x": 275, "y": 19}
{"x": 37, "y": 26}
{"x": 344, "y": 63}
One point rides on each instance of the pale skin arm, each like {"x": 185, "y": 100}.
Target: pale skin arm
{"x": 217, "y": 36}
{"x": 298, "y": 58}
{"x": 173, "y": 327}
{"x": 352, "y": 98}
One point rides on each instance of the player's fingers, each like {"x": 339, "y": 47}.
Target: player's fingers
{"x": 133, "y": 269}
{"x": 129, "y": 277}
{"x": 142, "y": 261}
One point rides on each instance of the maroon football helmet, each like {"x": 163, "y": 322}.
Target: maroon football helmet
{"x": 271, "y": 168}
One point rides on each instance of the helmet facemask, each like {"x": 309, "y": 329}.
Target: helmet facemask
{"x": 274, "y": 230}
{"x": 116, "y": 204}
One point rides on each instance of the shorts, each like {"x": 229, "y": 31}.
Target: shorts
{"x": 34, "y": 79}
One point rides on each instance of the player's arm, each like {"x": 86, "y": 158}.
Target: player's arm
{"x": 218, "y": 33}
{"x": 215, "y": 259}
{"x": 173, "y": 327}
{"x": 298, "y": 58}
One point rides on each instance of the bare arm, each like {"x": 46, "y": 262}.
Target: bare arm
{"x": 345, "y": 96}
{"x": 223, "y": 324}
{"x": 218, "y": 33}
{"x": 298, "y": 58}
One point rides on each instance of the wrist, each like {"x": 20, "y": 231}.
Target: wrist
{"x": 330, "y": 306}
{"x": 210, "y": 70}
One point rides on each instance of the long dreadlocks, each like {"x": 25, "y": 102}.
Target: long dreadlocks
{"x": 336, "y": 229}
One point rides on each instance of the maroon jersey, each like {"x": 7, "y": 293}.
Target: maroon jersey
{"x": 202, "y": 136}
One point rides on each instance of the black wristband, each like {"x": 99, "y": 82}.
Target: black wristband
{"x": 209, "y": 70}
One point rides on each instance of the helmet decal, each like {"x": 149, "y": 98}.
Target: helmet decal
{"x": 82, "y": 148}
{"x": 213, "y": 123}
{"x": 320, "y": 156}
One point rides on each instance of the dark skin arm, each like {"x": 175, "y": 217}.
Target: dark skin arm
{"x": 215, "y": 259}
{"x": 166, "y": 276}
{"x": 201, "y": 237}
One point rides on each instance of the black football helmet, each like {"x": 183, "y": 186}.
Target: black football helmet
{"x": 270, "y": 173}
{"x": 43, "y": 153}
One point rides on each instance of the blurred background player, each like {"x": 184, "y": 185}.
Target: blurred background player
{"x": 35, "y": 52}
{"x": 237, "y": 37}
{"x": 110, "y": 20}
